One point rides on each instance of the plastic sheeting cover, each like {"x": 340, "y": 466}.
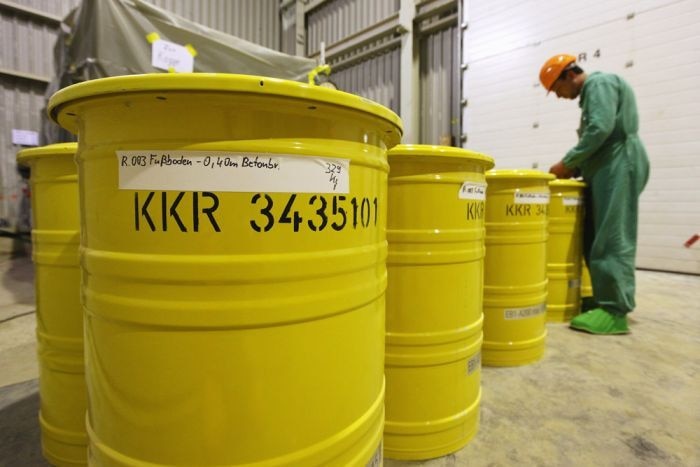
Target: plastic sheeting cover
{"x": 110, "y": 38}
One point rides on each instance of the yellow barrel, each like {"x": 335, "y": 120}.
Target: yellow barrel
{"x": 564, "y": 249}
{"x": 434, "y": 299}
{"x": 234, "y": 261}
{"x": 586, "y": 287}
{"x": 515, "y": 267}
{"x": 55, "y": 239}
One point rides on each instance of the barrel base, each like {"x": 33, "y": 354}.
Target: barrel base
{"x": 428, "y": 440}
{"x": 513, "y": 354}
{"x": 510, "y": 360}
{"x": 418, "y": 454}
{"x": 358, "y": 444}
{"x": 561, "y": 314}
{"x": 50, "y": 454}
{"x": 62, "y": 448}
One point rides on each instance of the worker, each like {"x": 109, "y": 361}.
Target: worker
{"x": 613, "y": 162}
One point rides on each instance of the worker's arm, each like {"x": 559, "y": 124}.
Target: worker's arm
{"x": 599, "y": 110}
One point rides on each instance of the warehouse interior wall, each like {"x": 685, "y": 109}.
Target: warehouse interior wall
{"x": 253, "y": 20}
{"x": 360, "y": 45}
{"x": 461, "y": 73}
{"x": 402, "y": 54}
{"x": 376, "y": 49}
{"x": 458, "y": 72}
{"x": 651, "y": 44}
{"x": 439, "y": 65}
{"x": 29, "y": 29}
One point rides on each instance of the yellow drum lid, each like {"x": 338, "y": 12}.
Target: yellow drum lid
{"x": 518, "y": 174}
{"x": 404, "y": 150}
{"x": 60, "y": 149}
{"x": 265, "y": 87}
{"x": 566, "y": 183}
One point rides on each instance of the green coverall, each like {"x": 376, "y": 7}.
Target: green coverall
{"x": 614, "y": 165}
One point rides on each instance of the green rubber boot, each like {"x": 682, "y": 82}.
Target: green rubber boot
{"x": 599, "y": 321}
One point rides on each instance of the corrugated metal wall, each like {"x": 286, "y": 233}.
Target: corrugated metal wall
{"x": 371, "y": 70}
{"x": 253, "y": 20}
{"x": 337, "y": 19}
{"x": 377, "y": 78}
{"x": 377, "y": 75}
{"x": 439, "y": 96}
{"x": 650, "y": 43}
{"x": 27, "y": 35}
{"x": 26, "y": 63}
{"x": 21, "y": 102}
{"x": 27, "y": 43}
{"x": 53, "y": 7}
{"x": 288, "y": 28}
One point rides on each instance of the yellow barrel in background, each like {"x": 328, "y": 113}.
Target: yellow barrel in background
{"x": 234, "y": 270}
{"x": 55, "y": 242}
{"x": 564, "y": 249}
{"x": 515, "y": 267}
{"x": 434, "y": 299}
{"x": 586, "y": 287}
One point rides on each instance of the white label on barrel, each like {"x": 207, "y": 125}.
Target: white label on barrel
{"x": 471, "y": 190}
{"x": 526, "y": 312}
{"x": 231, "y": 171}
{"x": 571, "y": 201}
{"x": 574, "y": 283}
{"x": 525, "y": 197}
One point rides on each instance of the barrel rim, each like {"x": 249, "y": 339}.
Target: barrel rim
{"x": 561, "y": 182}
{"x": 59, "y": 149}
{"x": 519, "y": 174}
{"x": 218, "y": 82}
{"x": 432, "y": 150}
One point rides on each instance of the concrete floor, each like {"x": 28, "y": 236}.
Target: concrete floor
{"x": 629, "y": 400}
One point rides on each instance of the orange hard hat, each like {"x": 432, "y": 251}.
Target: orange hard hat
{"x": 552, "y": 69}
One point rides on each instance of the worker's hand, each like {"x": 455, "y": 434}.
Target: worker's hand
{"x": 561, "y": 171}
